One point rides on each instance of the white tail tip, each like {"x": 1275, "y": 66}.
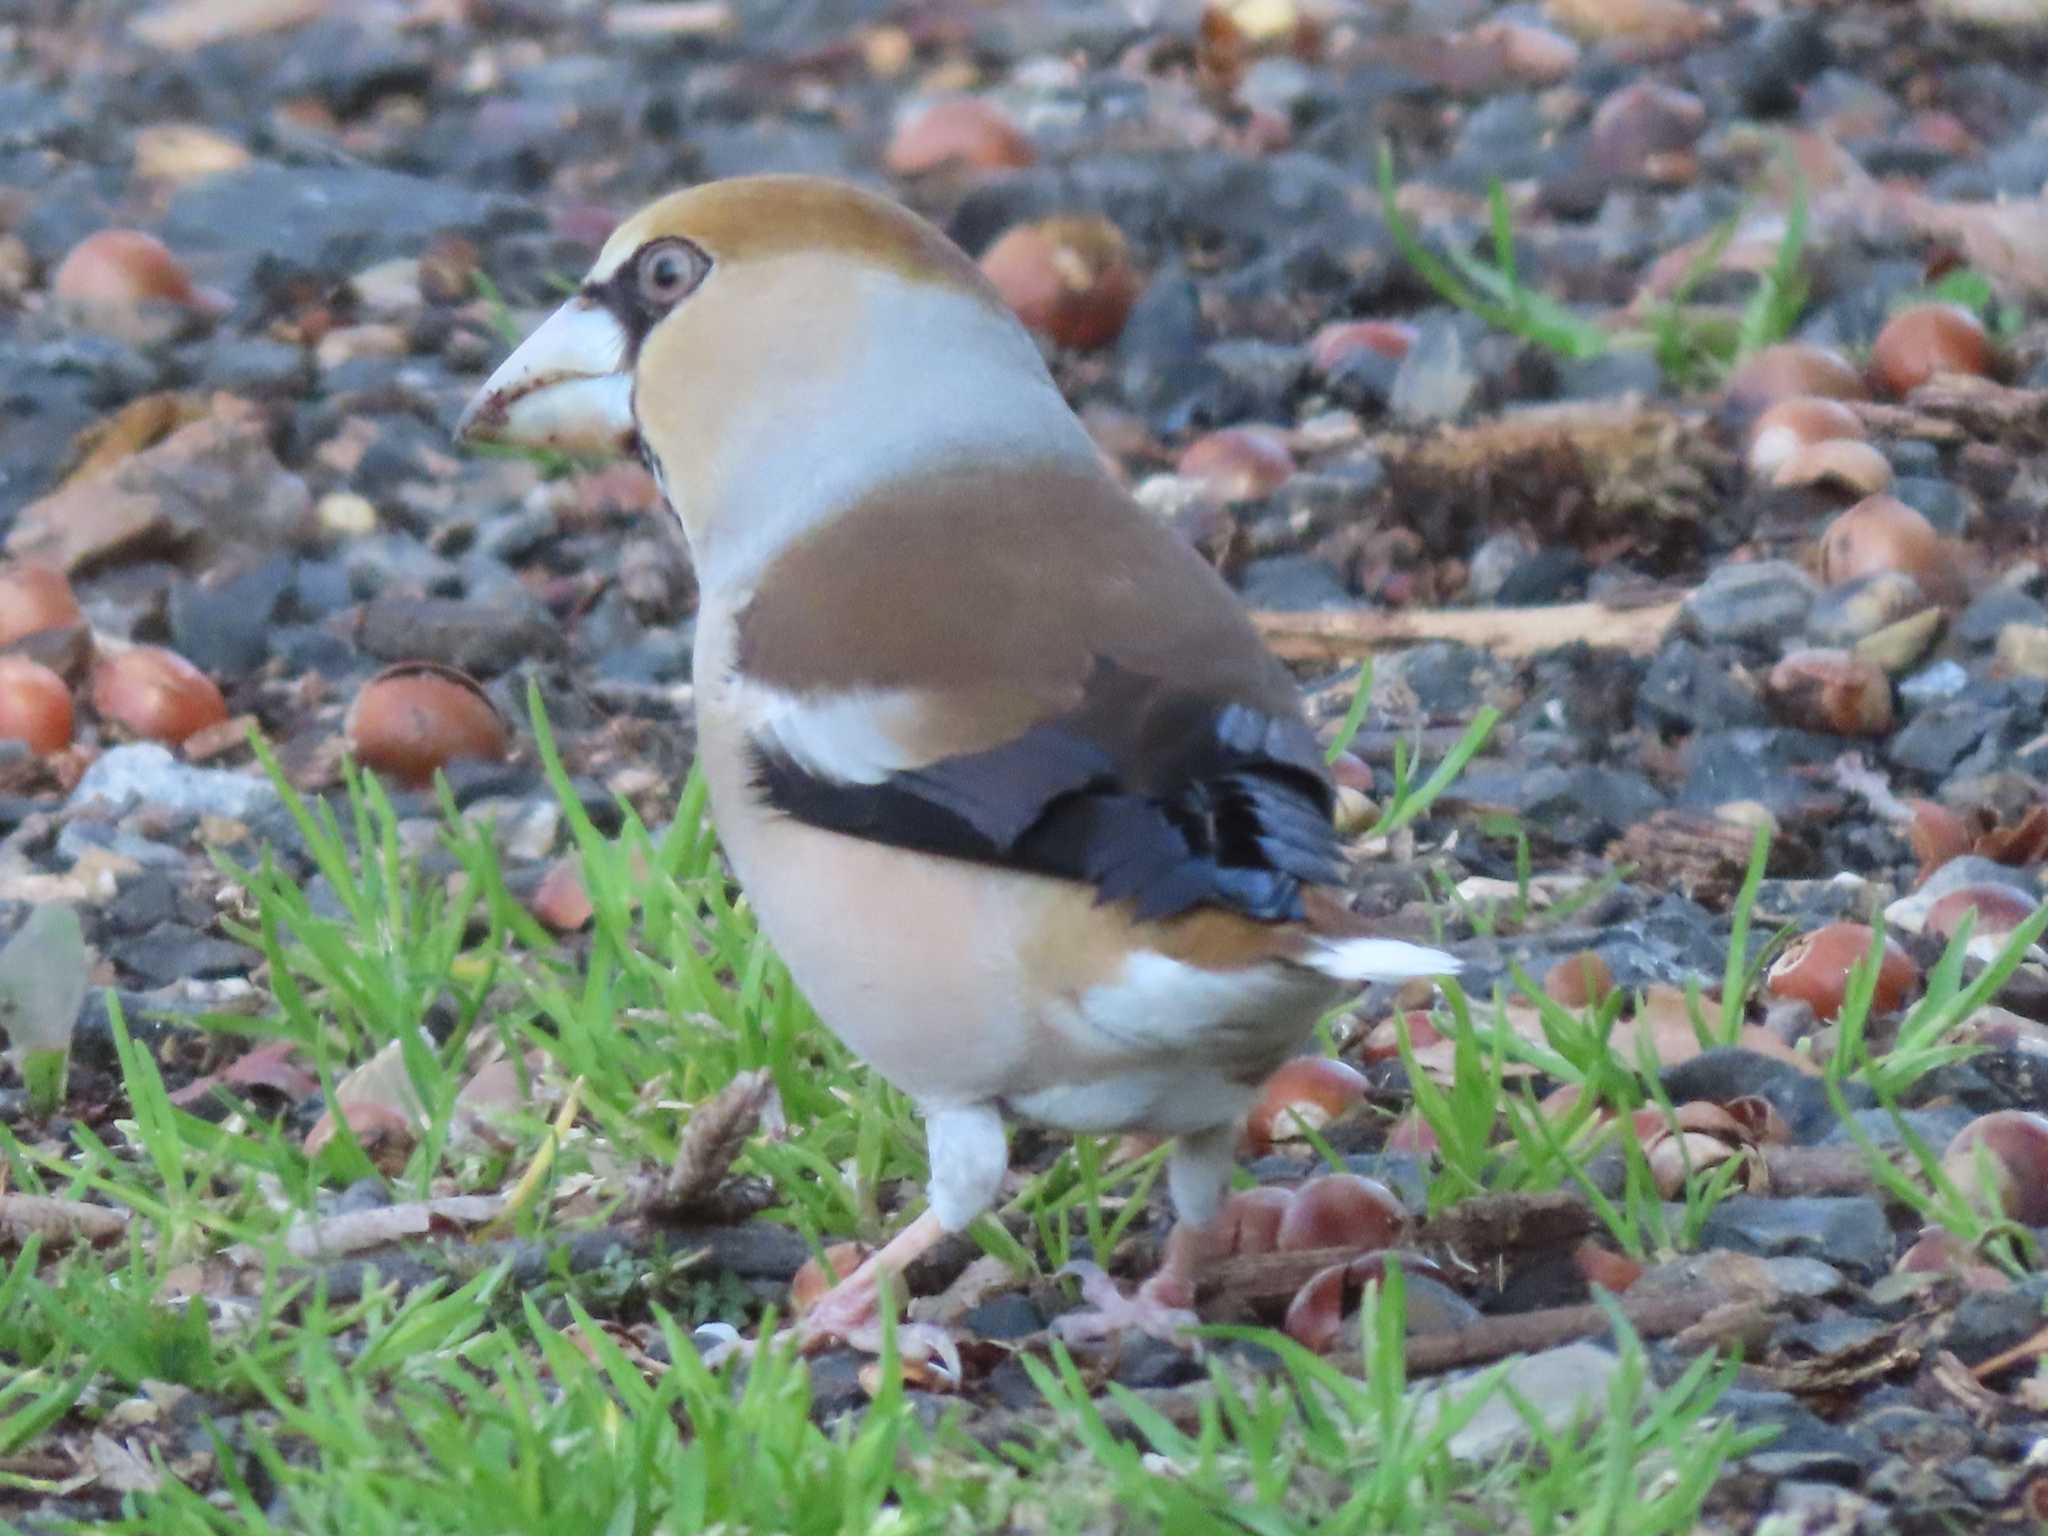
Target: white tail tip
{"x": 1365, "y": 960}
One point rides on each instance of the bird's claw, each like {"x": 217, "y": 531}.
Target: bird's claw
{"x": 924, "y": 1344}
{"x": 1110, "y": 1313}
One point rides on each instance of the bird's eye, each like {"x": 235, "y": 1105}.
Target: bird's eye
{"x": 668, "y": 270}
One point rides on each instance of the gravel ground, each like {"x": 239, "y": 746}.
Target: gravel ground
{"x": 1553, "y": 500}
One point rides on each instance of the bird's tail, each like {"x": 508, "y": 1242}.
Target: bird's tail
{"x": 1341, "y": 945}
{"x": 1365, "y": 960}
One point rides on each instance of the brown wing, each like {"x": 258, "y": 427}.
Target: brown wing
{"x": 1086, "y": 698}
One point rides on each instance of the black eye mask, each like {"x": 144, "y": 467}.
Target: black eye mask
{"x": 624, "y": 294}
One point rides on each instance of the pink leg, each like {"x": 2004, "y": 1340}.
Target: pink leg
{"x": 1163, "y": 1306}
{"x": 850, "y": 1311}
{"x": 851, "y": 1303}
{"x": 1198, "y": 1176}
{"x": 968, "y": 1156}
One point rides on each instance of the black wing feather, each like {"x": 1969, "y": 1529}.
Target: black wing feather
{"x": 1160, "y": 797}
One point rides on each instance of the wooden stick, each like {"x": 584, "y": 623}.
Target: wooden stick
{"x": 1514, "y": 633}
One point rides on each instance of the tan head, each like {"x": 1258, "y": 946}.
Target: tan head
{"x": 778, "y": 346}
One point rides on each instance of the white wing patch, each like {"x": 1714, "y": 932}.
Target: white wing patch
{"x": 847, "y": 738}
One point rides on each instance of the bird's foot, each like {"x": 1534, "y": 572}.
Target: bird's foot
{"x": 851, "y": 1314}
{"x": 1156, "y": 1308}
{"x": 921, "y": 1344}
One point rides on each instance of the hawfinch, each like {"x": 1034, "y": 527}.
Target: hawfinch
{"x": 1009, "y": 778}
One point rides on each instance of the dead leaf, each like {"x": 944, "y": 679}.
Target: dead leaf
{"x": 496, "y": 1093}
{"x": 2023, "y": 842}
{"x": 123, "y": 1469}
{"x": 383, "y": 1080}
{"x": 271, "y": 1065}
{"x": 141, "y": 423}
{"x": 2007, "y": 241}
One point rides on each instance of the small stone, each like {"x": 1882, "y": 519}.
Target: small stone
{"x": 1313, "y": 503}
{"x": 326, "y": 217}
{"x": 1619, "y": 371}
{"x": 1646, "y": 130}
{"x": 1265, "y": 372}
{"x": 1364, "y": 381}
{"x": 1690, "y": 689}
{"x": 1808, "y": 1279}
{"x": 1937, "y": 741}
{"x": 1898, "y": 646}
{"x": 172, "y": 952}
{"x": 1294, "y": 584}
{"x": 1731, "y": 1072}
{"x": 1010, "y": 1316}
{"x": 1845, "y": 614}
{"x": 177, "y": 153}
{"x": 255, "y": 367}
{"x": 1831, "y": 1334}
{"x": 1765, "y": 766}
{"x": 1936, "y": 500}
{"x": 346, "y": 513}
{"x": 1160, "y": 367}
{"x": 479, "y": 638}
{"x": 350, "y": 344}
{"x": 1553, "y": 575}
{"x": 1849, "y": 1231}
{"x": 513, "y": 537}
{"x": 1761, "y": 602}
{"x": 1171, "y": 498}
{"x": 1776, "y": 60}
{"x": 146, "y": 772}
{"x": 1494, "y": 561}
{"x": 223, "y": 627}
{"x": 1447, "y": 679}
{"x": 1809, "y": 1449}
{"x": 1986, "y": 618}
{"x": 1944, "y": 679}
{"x": 2021, "y": 16}
{"x": 1987, "y": 1323}
{"x": 1917, "y": 1433}
{"x": 1883, "y": 1127}
{"x": 1633, "y": 28}
{"x": 1436, "y": 380}
{"x": 389, "y": 290}
{"x": 1560, "y": 1386}
{"x": 2023, "y": 649}
{"x": 1984, "y": 1481}
{"x": 1144, "y": 1362}
{"x": 147, "y": 899}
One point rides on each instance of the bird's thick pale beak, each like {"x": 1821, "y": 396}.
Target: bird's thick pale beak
{"x": 568, "y": 386}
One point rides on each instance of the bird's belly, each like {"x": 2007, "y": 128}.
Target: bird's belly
{"x": 901, "y": 956}
{"x": 1185, "y": 1096}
